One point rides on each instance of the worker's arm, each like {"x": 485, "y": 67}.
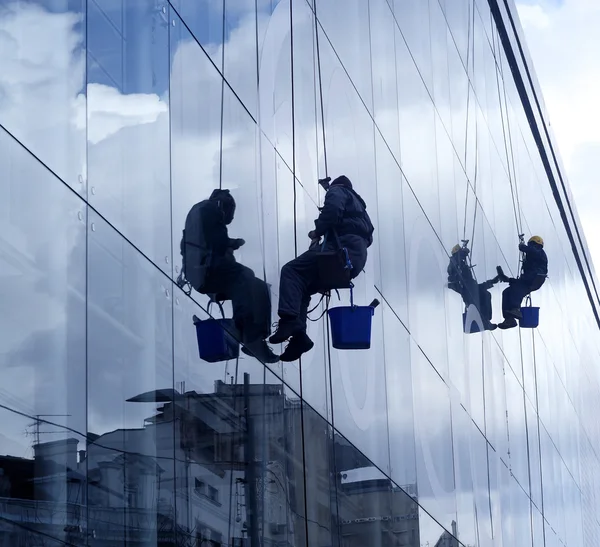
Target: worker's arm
{"x": 531, "y": 250}
{"x": 332, "y": 211}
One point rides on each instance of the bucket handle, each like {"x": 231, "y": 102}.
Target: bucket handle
{"x": 210, "y": 303}
{"x": 528, "y": 301}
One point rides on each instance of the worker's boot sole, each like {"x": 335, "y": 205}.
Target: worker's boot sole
{"x": 299, "y": 345}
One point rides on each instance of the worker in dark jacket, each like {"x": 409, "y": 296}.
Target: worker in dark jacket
{"x": 533, "y": 275}
{"x": 211, "y": 268}
{"x": 462, "y": 281}
{"x": 343, "y": 222}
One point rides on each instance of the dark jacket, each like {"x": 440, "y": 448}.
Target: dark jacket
{"x": 345, "y": 211}
{"x": 535, "y": 263}
{"x": 460, "y": 276}
{"x": 205, "y": 240}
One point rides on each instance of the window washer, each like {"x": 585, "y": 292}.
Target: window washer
{"x": 344, "y": 223}
{"x": 210, "y": 267}
{"x": 462, "y": 281}
{"x": 533, "y": 275}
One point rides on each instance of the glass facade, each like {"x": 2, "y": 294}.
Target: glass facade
{"x": 117, "y": 116}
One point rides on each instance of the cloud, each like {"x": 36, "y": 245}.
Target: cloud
{"x": 563, "y": 40}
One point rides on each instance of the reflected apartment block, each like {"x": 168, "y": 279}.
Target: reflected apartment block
{"x": 185, "y": 478}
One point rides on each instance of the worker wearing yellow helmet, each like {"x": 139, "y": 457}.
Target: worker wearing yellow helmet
{"x": 462, "y": 281}
{"x": 533, "y": 275}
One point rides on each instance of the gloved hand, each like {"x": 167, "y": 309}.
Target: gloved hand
{"x": 312, "y": 235}
{"x": 325, "y": 182}
{"x": 237, "y": 243}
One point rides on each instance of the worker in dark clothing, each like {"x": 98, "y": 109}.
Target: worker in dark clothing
{"x": 211, "y": 268}
{"x": 533, "y": 275}
{"x": 343, "y": 223}
{"x": 462, "y": 281}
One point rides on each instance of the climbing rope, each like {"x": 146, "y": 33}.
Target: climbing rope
{"x": 321, "y": 95}
{"x": 470, "y": 59}
{"x": 510, "y": 159}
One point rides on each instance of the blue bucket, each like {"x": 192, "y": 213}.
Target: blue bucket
{"x": 531, "y": 317}
{"x": 215, "y": 341}
{"x": 351, "y": 327}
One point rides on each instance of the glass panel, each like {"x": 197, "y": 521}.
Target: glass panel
{"x": 459, "y": 15}
{"x": 433, "y": 432}
{"x": 463, "y": 431}
{"x": 42, "y": 80}
{"x": 399, "y": 391}
{"x": 322, "y": 479}
{"x": 426, "y": 264}
{"x": 204, "y": 20}
{"x": 520, "y": 508}
{"x": 501, "y": 524}
{"x": 240, "y": 57}
{"x": 275, "y": 77}
{"x": 534, "y": 454}
{"x": 515, "y": 406}
{"x": 413, "y": 18}
{"x": 42, "y": 354}
{"x": 338, "y": 20}
{"x": 366, "y": 498}
{"x": 385, "y": 38}
{"x": 130, "y": 466}
{"x": 439, "y": 55}
{"x": 537, "y": 525}
{"x": 128, "y": 122}
{"x": 487, "y": 485}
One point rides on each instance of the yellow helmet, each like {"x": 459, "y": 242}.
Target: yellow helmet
{"x": 455, "y": 249}
{"x": 536, "y": 239}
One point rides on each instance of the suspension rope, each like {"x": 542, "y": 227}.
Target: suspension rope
{"x": 475, "y": 177}
{"x": 510, "y": 159}
{"x": 321, "y": 94}
{"x": 470, "y": 59}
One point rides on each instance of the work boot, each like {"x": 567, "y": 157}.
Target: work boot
{"x": 299, "y": 344}
{"x": 488, "y": 325}
{"x": 508, "y": 323}
{"x": 501, "y": 276}
{"x": 515, "y": 312}
{"x": 286, "y": 328}
{"x": 261, "y": 351}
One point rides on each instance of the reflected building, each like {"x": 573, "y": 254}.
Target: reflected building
{"x": 200, "y": 484}
{"x": 117, "y": 116}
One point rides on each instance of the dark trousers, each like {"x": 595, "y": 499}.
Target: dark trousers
{"x": 485, "y": 303}
{"x": 300, "y": 280}
{"x": 249, "y": 295}
{"x": 513, "y": 295}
